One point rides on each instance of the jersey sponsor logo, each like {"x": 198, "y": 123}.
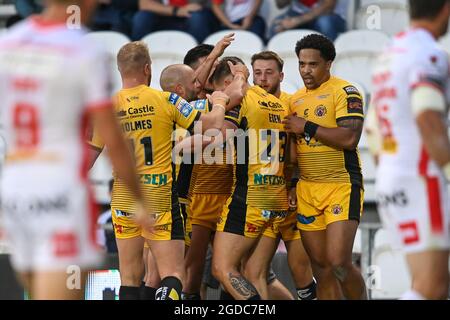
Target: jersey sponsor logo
{"x": 252, "y": 228}
{"x": 120, "y": 213}
{"x": 267, "y": 179}
{"x": 305, "y": 220}
{"x": 200, "y": 104}
{"x": 398, "y": 199}
{"x": 173, "y": 98}
{"x": 158, "y": 179}
{"x": 270, "y": 104}
{"x": 272, "y": 214}
{"x": 37, "y": 206}
{"x": 121, "y": 113}
{"x": 351, "y": 90}
{"x": 306, "y": 113}
{"x": 320, "y": 111}
{"x": 164, "y": 227}
{"x": 336, "y": 209}
{"x": 132, "y": 98}
{"x": 141, "y": 110}
{"x": 354, "y": 105}
{"x": 274, "y": 118}
{"x": 185, "y": 108}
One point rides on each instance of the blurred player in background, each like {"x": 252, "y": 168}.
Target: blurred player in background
{"x": 48, "y": 210}
{"x": 410, "y": 100}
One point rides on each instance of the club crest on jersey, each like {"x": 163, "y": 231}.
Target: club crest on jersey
{"x": 320, "y": 111}
{"x": 336, "y": 209}
{"x": 354, "y": 105}
{"x": 185, "y": 108}
{"x": 173, "y": 98}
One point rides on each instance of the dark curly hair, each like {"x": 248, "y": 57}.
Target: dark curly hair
{"x": 318, "y": 42}
{"x": 425, "y": 9}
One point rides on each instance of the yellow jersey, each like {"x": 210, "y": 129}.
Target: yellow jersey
{"x": 148, "y": 118}
{"x": 285, "y": 97}
{"x": 260, "y": 147}
{"x": 334, "y": 100}
{"x": 206, "y": 177}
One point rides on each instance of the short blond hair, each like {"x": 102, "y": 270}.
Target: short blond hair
{"x": 132, "y": 57}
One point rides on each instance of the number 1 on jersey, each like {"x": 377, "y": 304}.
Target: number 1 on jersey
{"x": 148, "y": 152}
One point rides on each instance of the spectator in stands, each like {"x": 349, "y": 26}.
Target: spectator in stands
{"x": 324, "y": 16}
{"x": 240, "y": 15}
{"x": 115, "y": 15}
{"x": 26, "y": 8}
{"x": 191, "y": 16}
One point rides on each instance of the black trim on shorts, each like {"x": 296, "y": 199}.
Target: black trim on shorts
{"x": 353, "y": 168}
{"x": 177, "y": 232}
{"x": 237, "y": 209}
{"x": 354, "y": 209}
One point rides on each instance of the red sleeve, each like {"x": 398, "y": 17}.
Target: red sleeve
{"x": 218, "y": 1}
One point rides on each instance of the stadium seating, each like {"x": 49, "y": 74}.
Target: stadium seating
{"x": 112, "y": 42}
{"x": 284, "y": 44}
{"x": 167, "y": 47}
{"x": 356, "y": 51}
{"x": 388, "y": 16}
{"x": 269, "y": 11}
{"x": 245, "y": 43}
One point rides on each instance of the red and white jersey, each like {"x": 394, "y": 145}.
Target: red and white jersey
{"x": 413, "y": 58}
{"x": 49, "y": 77}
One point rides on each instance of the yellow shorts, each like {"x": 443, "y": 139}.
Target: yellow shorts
{"x": 241, "y": 219}
{"x": 287, "y": 229}
{"x": 319, "y": 204}
{"x": 205, "y": 209}
{"x": 169, "y": 225}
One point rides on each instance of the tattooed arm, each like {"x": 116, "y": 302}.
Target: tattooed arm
{"x": 346, "y": 136}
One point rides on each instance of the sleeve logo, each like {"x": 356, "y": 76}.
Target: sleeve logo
{"x": 173, "y": 98}
{"x": 351, "y": 90}
{"x": 185, "y": 108}
{"x": 200, "y": 104}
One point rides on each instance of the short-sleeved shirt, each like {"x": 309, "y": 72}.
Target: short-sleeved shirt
{"x": 413, "y": 59}
{"x": 148, "y": 118}
{"x": 50, "y": 77}
{"x": 334, "y": 100}
{"x": 261, "y": 146}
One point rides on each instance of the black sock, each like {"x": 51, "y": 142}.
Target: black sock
{"x": 225, "y": 295}
{"x": 257, "y": 297}
{"x": 128, "y": 293}
{"x": 170, "y": 289}
{"x": 190, "y": 296}
{"x": 148, "y": 293}
{"x": 307, "y": 293}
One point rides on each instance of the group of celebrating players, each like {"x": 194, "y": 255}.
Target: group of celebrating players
{"x": 258, "y": 165}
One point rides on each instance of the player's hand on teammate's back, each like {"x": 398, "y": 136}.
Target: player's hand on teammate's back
{"x": 294, "y": 124}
